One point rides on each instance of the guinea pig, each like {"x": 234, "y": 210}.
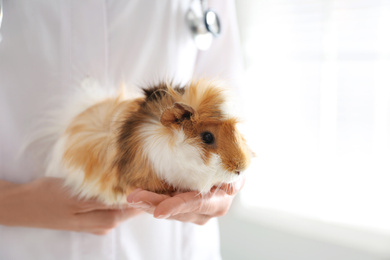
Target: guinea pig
{"x": 169, "y": 139}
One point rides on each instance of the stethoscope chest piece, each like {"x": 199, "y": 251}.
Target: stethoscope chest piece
{"x": 204, "y": 24}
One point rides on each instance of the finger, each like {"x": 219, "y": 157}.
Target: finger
{"x": 213, "y": 205}
{"x": 99, "y": 220}
{"x": 132, "y": 195}
{"x": 199, "y": 219}
{"x": 145, "y": 200}
{"x": 107, "y": 217}
{"x": 233, "y": 188}
{"x": 182, "y": 203}
{"x": 87, "y": 205}
{"x": 139, "y": 197}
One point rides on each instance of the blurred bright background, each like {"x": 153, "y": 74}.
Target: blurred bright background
{"x": 317, "y": 96}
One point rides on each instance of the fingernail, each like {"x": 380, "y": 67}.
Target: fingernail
{"x": 131, "y": 195}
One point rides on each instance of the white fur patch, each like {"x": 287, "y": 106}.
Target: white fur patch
{"x": 91, "y": 189}
{"x": 180, "y": 163}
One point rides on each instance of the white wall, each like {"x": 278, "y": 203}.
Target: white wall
{"x": 271, "y": 236}
{"x": 329, "y": 58}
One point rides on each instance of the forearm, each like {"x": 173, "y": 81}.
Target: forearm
{"x": 44, "y": 203}
{"x": 12, "y": 199}
{"x": 6, "y": 184}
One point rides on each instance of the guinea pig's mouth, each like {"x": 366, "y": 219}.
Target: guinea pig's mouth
{"x": 232, "y": 176}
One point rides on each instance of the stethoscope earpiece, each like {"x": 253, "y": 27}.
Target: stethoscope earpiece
{"x": 204, "y": 24}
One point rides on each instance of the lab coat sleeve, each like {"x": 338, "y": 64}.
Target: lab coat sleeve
{"x": 223, "y": 59}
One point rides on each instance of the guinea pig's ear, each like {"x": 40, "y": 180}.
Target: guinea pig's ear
{"x": 176, "y": 114}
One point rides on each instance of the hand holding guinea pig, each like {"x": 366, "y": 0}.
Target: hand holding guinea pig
{"x": 173, "y": 139}
{"x": 187, "y": 206}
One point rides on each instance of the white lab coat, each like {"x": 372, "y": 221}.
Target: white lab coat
{"x": 48, "y": 48}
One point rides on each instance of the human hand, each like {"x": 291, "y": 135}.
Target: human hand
{"x": 187, "y": 206}
{"x": 45, "y": 203}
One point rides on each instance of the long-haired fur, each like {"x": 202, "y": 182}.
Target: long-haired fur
{"x": 153, "y": 142}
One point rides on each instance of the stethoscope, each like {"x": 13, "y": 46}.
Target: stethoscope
{"x": 204, "y": 23}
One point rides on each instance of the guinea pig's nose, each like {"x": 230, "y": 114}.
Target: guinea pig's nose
{"x": 237, "y": 172}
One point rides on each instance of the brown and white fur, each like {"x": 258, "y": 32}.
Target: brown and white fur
{"x": 112, "y": 146}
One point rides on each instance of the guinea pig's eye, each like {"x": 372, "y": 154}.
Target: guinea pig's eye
{"x": 207, "y": 137}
